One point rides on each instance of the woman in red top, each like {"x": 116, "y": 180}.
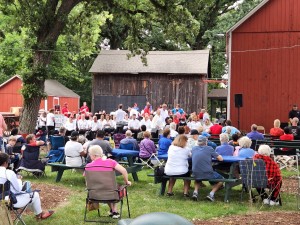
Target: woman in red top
{"x": 273, "y": 174}
{"x": 276, "y": 131}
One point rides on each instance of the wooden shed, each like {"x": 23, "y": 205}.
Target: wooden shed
{"x": 264, "y": 65}
{"x": 58, "y": 94}
{"x": 170, "y": 77}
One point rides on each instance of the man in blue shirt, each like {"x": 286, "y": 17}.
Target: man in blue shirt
{"x": 202, "y": 168}
{"x": 164, "y": 142}
{"x": 225, "y": 149}
{"x": 254, "y": 134}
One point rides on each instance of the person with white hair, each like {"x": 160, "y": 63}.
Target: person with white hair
{"x": 245, "y": 150}
{"x": 173, "y": 131}
{"x": 273, "y": 174}
{"x": 130, "y": 140}
{"x": 101, "y": 163}
{"x": 225, "y": 149}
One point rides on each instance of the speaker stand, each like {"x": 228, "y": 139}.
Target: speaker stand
{"x": 238, "y": 117}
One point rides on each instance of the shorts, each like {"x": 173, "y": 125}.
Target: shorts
{"x": 214, "y": 176}
{"x": 188, "y": 174}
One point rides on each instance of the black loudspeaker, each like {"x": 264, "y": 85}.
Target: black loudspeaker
{"x": 238, "y": 100}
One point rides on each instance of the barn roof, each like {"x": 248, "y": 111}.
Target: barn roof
{"x": 170, "y": 62}
{"x": 253, "y": 11}
{"x": 52, "y": 88}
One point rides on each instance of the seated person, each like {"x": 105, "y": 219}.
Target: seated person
{"x": 16, "y": 187}
{"x": 140, "y": 135}
{"x": 147, "y": 146}
{"x": 164, "y": 142}
{"x": 287, "y": 136}
{"x": 276, "y": 131}
{"x": 20, "y": 140}
{"x": 245, "y": 150}
{"x": 273, "y": 174}
{"x": 177, "y": 164}
{"x": 74, "y": 151}
{"x": 234, "y": 141}
{"x": 202, "y": 167}
{"x": 224, "y": 149}
{"x": 254, "y": 134}
{"x": 232, "y": 130}
{"x": 129, "y": 140}
{"x": 30, "y": 155}
{"x": 101, "y": 163}
{"x": 13, "y": 157}
{"x": 193, "y": 139}
{"x": 104, "y": 144}
{"x": 295, "y": 129}
{"x": 216, "y": 128}
{"x": 173, "y": 132}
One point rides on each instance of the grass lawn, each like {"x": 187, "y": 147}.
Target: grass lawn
{"x": 143, "y": 198}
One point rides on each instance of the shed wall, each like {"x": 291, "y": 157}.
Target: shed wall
{"x": 158, "y": 88}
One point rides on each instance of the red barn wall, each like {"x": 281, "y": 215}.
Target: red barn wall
{"x": 262, "y": 69}
{"x": 73, "y": 103}
{"x": 10, "y": 95}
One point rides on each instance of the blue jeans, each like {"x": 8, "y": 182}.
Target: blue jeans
{"x": 1, "y": 144}
{"x": 216, "y": 176}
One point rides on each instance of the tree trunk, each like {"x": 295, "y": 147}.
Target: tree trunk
{"x": 30, "y": 114}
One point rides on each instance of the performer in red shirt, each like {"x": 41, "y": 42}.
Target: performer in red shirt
{"x": 84, "y": 108}
{"x": 65, "y": 109}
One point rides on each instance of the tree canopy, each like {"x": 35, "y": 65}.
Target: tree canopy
{"x": 59, "y": 39}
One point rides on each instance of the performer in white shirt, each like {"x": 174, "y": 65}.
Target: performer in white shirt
{"x": 134, "y": 125}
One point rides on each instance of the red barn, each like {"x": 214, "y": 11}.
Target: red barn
{"x": 264, "y": 65}
{"x": 57, "y": 93}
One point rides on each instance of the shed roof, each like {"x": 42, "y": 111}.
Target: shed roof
{"x": 170, "y": 62}
{"x": 218, "y": 94}
{"x": 52, "y": 88}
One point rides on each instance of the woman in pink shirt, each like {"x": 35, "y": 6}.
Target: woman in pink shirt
{"x": 101, "y": 163}
{"x": 3, "y": 127}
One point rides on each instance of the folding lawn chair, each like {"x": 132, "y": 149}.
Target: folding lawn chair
{"x": 10, "y": 200}
{"x": 254, "y": 175}
{"x": 102, "y": 188}
{"x": 30, "y": 162}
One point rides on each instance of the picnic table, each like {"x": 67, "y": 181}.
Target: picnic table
{"x": 229, "y": 178}
{"x": 128, "y": 155}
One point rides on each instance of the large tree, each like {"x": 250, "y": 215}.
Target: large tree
{"x": 46, "y": 20}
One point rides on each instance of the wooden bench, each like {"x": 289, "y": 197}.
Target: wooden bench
{"x": 60, "y": 169}
{"x": 229, "y": 183}
{"x": 278, "y": 144}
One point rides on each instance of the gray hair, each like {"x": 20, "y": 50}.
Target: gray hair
{"x": 264, "y": 150}
{"x": 245, "y": 142}
{"x": 224, "y": 138}
{"x": 128, "y": 133}
{"x": 172, "y": 126}
{"x": 96, "y": 150}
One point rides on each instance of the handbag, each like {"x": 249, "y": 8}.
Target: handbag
{"x": 5, "y": 214}
{"x": 92, "y": 205}
{"x": 159, "y": 171}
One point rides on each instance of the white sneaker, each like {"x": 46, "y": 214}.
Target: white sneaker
{"x": 266, "y": 201}
{"x": 272, "y": 203}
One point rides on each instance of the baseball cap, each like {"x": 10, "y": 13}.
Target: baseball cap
{"x": 74, "y": 134}
{"x": 194, "y": 132}
{"x": 202, "y": 138}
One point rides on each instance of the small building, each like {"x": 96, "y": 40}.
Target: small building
{"x": 58, "y": 94}
{"x": 218, "y": 102}
{"x": 264, "y": 65}
{"x": 170, "y": 77}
